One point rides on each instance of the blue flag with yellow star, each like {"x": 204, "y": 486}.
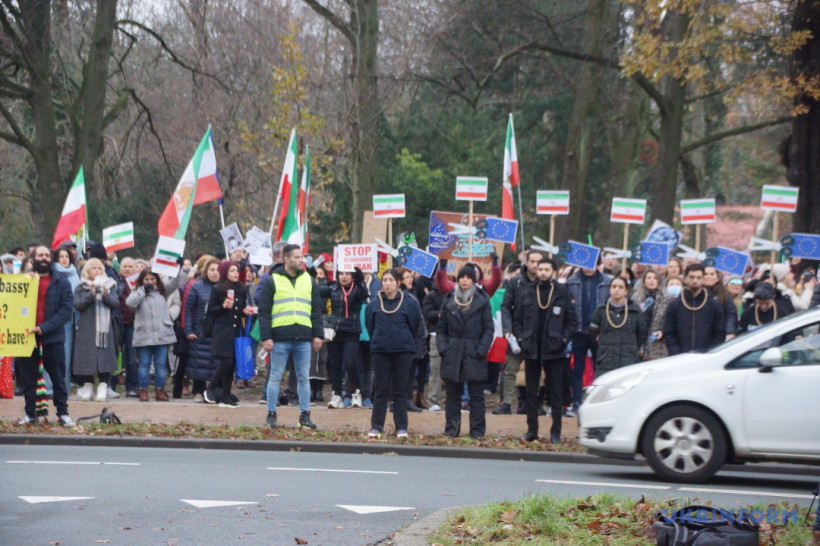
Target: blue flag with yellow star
{"x": 802, "y": 245}
{"x": 497, "y": 229}
{"x": 649, "y": 253}
{"x": 578, "y": 254}
{"x": 726, "y": 260}
{"x": 417, "y": 260}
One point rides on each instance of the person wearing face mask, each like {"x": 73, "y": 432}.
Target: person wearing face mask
{"x": 620, "y": 327}
{"x": 53, "y": 312}
{"x": 543, "y": 322}
{"x": 153, "y": 332}
{"x": 674, "y": 286}
{"x": 464, "y": 334}
{"x": 694, "y": 321}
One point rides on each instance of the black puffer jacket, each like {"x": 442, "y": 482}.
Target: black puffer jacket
{"x": 686, "y": 331}
{"x": 201, "y": 364}
{"x": 344, "y": 317}
{"x": 464, "y": 339}
{"x": 618, "y": 347}
{"x": 561, "y": 321}
{"x": 431, "y": 306}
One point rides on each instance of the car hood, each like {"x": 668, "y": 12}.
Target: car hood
{"x": 666, "y": 364}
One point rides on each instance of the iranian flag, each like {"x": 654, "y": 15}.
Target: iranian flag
{"x": 779, "y": 198}
{"x": 628, "y": 211}
{"x": 304, "y": 201}
{"x": 510, "y": 178}
{"x": 389, "y": 205}
{"x": 169, "y": 251}
{"x": 287, "y": 195}
{"x": 697, "y": 211}
{"x": 118, "y": 237}
{"x": 73, "y": 224}
{"x": 552, "y": 202}
{"x": 201, "y": 168}
{"x": 471, "y": 188}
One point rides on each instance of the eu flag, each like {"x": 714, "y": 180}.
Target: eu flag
{"x": 497, "y": 229}
{"x": 727, "y": 260}
{"x": 649, "y": 253}
{"x": 578, "y": 254}
{"x": 801, "y": 245}
{"x": 417, "y": 260}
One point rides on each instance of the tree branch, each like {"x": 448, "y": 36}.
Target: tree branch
{"x": 18, "y": 137}
{"x": 169, "y": 51}
{"x": 333, "y": 19}
{"x": 733, "y": 132}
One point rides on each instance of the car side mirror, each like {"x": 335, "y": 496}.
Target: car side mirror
{"x": 770, "y": 358}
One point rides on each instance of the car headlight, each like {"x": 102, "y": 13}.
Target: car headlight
{"x": 605, "y": 393}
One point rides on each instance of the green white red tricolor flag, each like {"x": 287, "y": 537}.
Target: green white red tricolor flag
{"x": 628, "y": 211}
{"x": 169, "y": 250}
{"x": 200, "y": 173}
{"x": 511, "y": 178}
{"x": 73, "y": 224}
{"x": 780, "y": 198}
{"x": 389, "y": 205}
{"x": 118, "y": 237}
{"x": 552, "y": 202}
{"x": 471, "y": 188}
{"x": 697, "y": 211}
{"x": 304, "y": 201}
{"x": 286, "y": 193}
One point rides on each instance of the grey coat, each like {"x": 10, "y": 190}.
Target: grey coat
{"x": 152, "y": 323}
{"x": 88, "y": 358}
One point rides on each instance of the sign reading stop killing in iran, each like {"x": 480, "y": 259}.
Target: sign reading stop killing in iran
{"x": 18, "y": 310}
{"x": 349, "y": 257}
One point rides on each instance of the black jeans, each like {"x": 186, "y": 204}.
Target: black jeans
{"x": 222, "y": 379}
{"x": 554, "y": 371}
{"x": 343, "y": 356}
{"x": 392, "y": 371}
{"x": 54, "y": 364}
{"x": 452, "y": 408}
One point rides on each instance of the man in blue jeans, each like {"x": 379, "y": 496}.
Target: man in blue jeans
{"x": 290, "y": 318}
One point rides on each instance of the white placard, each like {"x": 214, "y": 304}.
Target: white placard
{"x": 348, "y": 257}
{"x": 166, "y": 255}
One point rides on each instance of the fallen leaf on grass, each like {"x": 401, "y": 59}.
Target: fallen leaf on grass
{"x": 508, "y": 516}
{"x": 300, "y": 540}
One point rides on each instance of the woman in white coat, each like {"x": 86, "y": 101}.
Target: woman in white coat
{"x": 153, "y": 332}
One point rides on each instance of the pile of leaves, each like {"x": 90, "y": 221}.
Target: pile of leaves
{"x": 253, "y": 432}
{"x": 600, "y": 519}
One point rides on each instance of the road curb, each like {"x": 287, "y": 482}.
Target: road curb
{"x": 357, "y": 448}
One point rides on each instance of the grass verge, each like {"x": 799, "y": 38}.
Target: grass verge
{"x": 601, "y": 519}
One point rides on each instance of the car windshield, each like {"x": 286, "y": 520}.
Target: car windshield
{"x": 742, "y": 337}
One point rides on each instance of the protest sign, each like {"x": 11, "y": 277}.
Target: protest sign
{"x": 258, "y": 245}
{"x": 169, "y": 250}
{"x": 118, "y": 237}
{"x": 18, "y": 312}
{"x": 389, "y": 205}
{"x": 349, "y": 257}
{"x": 415, "y": 259}
{"x": 232, "y": 237}
{"x": 697, "y": 211}
{"x": 629, "y": 211}
{"x": 471, "y": 188}
{"x": 801, "y": 245}
{"x": 372, "y": 227}
{"x": 779, "y": 198}
{"x": 552, "y": 202}
{"x": 454, "y": 247}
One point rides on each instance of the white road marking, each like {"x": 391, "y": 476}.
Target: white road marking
{"x": 38, "y": 500}
{"x": 606, "y": 484}
{"x": 74, "y": 462}
{"x": 330, "y": 470}
{"x": 373, "y": 509}
{"x": 742, "y": 492}
{"x": 214, "y": 503}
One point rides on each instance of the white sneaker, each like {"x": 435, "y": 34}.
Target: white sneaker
{"x": 434, "y": 407}
{"x": 102, "y": 392}
{"x": 85, "y": 392}
{"x": 356, "y": 399}
{"x": 27, "y": 421}
{"x": 335, "y": 402}
{"x": 112, "y": 393}
{"x": 66, "y": 421}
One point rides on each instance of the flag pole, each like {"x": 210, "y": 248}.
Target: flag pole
{"x": 773, "y": 253}
{"x": 697, "y": 238}
{"x": 222, "y": 219}
{"x": 552, "y": 233}
{"x": 470, "y": 223}
{"x": 521, "y": 215}
{"x": 626, "y": 244}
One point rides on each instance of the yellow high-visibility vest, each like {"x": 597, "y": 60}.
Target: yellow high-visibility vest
{"x": 291, "y": 302}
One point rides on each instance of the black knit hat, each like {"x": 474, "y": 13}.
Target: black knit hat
{"x": 467, "y": 271}
{"x": 98, "y": 251}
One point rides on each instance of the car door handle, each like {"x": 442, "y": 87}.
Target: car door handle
{"x": 730, "y": 389}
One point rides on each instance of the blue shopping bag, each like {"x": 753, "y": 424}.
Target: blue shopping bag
{"x": 243, "y": 349}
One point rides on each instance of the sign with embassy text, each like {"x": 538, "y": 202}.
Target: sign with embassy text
{"x": 349, "y": 257}
{"x": 18, "y": 312}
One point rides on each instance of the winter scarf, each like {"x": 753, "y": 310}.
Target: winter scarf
{"x": 103, "y": 313}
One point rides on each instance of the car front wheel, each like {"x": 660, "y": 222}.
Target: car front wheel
{"x": 684, "y": 444}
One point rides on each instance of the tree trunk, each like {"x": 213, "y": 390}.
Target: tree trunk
{"x": 583, "y": 120}
{"x": 49, "y": 187}
{"x": 803, "y": 157}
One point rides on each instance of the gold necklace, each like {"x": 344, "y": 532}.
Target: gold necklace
{"x": 381, "y": 302}
{"x": 609, "y": 318}
{"x": 683, "y": 300}
{"x": 757, "y": 314}
{"x": 538, "y": 295}
{"x": 465, "y": 304}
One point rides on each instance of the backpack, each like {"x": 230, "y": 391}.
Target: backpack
{"x": 697, "y": 525}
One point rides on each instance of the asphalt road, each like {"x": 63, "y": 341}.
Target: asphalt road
{"x": 84, "y": 495}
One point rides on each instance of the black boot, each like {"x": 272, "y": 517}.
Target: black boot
{"x": 304, "y": 420}
{"x": 312, "y": 390}
{"x": 320, "y": 384}
{"x": 453, "y": 428}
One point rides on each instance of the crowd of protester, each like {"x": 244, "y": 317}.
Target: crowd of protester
{"x": 528, "y": 332}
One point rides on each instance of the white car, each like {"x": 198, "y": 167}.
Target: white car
{"x": 755, "y": 398}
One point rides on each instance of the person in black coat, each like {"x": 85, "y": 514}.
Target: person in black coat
{"x": 201, "y": 363}
{"x": 543, "y": 323}
{"x": 695, "y": 320}
{"x": 227, "y": 307}
{"x": 430, "y": 308}
{"x": 464, "y": 334}
{"x": 347, "y": 294}
{"x": 765, "y": 309}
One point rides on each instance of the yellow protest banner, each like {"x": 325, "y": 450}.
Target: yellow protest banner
{"x": 18, "y": 312}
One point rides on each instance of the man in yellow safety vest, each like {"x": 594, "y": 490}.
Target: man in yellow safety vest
{"x": 290, "y": 318}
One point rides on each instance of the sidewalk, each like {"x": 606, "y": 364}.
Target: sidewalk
{"x": 131, "y": 410}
